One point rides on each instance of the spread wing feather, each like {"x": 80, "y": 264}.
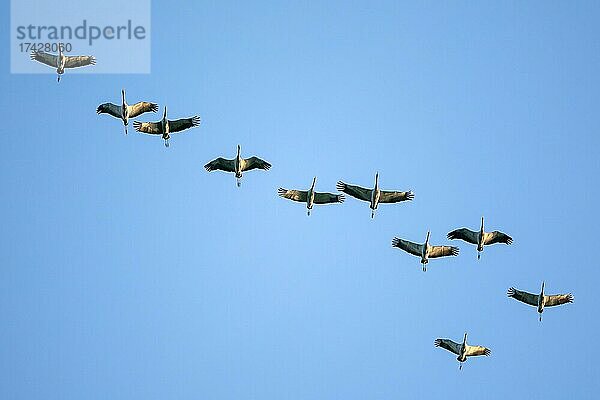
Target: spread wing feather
{"x": 448, "y": 345}
{"x": 45, "y": 58}
{"x": 558, "y": 299}
{"x": 395, "y": 197}
{"x": 443, "y": 251}
{"x": 184, "y": 123}
{"x": 463, "y": 234}
{"x": 477, "y": 351}
{"x": 109, "y": 108}
{"x": 295, "y": 195}
{"x": 527, "y": 298}
{"x": 496, "y": 237}
{"x": 256, "y": 163}
{"x": 79, "y": 61}
{"x": 355, "y": 191}
{"x": 222, "y": 164}
{"x": 326, "y": 198}
{"x": 151, "y": 128}
{"x": 410, "y": 247}
{"x": 142, "y": 107}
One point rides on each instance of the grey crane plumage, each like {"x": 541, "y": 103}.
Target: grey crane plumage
{"x": 480, "y": 238}
{"x": 238, "y": 165}
{"x": 126, "y": 111}
{"x": 374, "y": 196}
{"x": 310, "y": 197}
{"x": 60, "y": 61}
{"x": 540, "y": 300}
{"x": 165, "y": 127}
{"x": 462, "y": 350}
{"x": 425, "y": 251}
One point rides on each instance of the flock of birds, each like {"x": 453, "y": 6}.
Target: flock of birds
{"x": 310, "y": 197}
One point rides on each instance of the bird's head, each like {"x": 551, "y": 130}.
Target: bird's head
{"x": 314, "y": 182}
{"x": 542, "y": 288}
{"x": 165, "y": 113}
{"x": 427, "y": 238}
{"x": 239, "y": 149}
{"x": 465, "y": 338}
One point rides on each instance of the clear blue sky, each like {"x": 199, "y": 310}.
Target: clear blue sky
{"x": 129, "y": 272}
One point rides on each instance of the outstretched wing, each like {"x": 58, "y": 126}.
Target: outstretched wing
{"x": 448, "y": 345}
{"x": 527, "y": 298}
{"x": 354, "y": 191}
{"x": 296, "y": 195}
{"x": 409, "y": 247}
{"x": 142, "y": 107}
{"x": 256, "y": 163}
{"x": 443, "y": 251}
{"x": 184, "y": 123}
{"x": 477, "y": 351}
{"x": 79, "y": 61}
{"x": 463, "y": 234}
{"x": 326, "y": 198}
{"x": 395, "y": 197}
{"x": 45, "y": 58}
{"x": 151, "y": 128}
{"x": 496, "y": 237}
{"x": 109, "y": 108}
{"x": 558, "y": 299}
{"x": 222, "y": 164}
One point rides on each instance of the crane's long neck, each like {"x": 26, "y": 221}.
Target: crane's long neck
{"x": 376, "y": 181}
{"x": 123, "y": 102}
{"x": 427, "y": 239}
{"x": 481, "y": 230}
{"x": 542, "y": 292}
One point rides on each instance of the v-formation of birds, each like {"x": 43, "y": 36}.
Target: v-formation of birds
{"x": 375, "y": 196}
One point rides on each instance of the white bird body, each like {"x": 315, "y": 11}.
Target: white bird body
{"x": 164, "y": 123}
{"x": 124, "y": 110}
{"x": 480, "y": 237}
{"x": 310, "y": 198}
{"x": 60, "y": 67}
{"x": 426, "y": 250}
{"x": 375, "y": 195}
{"x": 239, "y": 164}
